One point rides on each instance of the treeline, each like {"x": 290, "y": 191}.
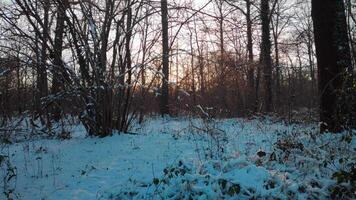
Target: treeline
{"x": 114, "y": 61}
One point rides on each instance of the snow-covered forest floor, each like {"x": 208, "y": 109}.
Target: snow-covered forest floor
{"x": 184, "y": 158}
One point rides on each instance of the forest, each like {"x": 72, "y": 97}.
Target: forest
{"x": 177, "y": 99}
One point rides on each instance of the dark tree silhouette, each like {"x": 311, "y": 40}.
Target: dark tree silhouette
{"x": 266, "y": 60}
{"x": 165, "y": 60}
{"x": 333, "y": 56}
{"x": 57, "y": 60}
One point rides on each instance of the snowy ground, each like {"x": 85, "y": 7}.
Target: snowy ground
{"x": 240, "y": 158}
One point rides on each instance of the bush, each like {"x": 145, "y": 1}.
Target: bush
{"x": 9, "y": 177}
{"x": 346, "y": 184}
{"x": 212, "y": 180}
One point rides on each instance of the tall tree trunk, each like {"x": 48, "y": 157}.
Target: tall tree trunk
{"x": 251, "y": 69}
{"x": 42, "y": 84}
{"x": 311, "y": 67}
{"x": 128, "y": 63}
{"x": 222, "y": 75}
{"x": 165, "y": 60}
{"x": 333, "y": 56}
{"x": 266, "y": 60}
{"x": 57, "y": 61}
{"x": 103, "y": 93}
{"x": 143, "y": 68}
{"x": 277, "y": 66}
{"x": 107, "y": 107}
{"x": 200, "y": 61}
{"x": 275, "y": 28}
{"x": 192, "y": 68}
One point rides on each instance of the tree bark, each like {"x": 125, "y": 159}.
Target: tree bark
{"x": 333, "y": 56}
{"x": 266, "y": 60}
{"x": 251, "y": 69}
{"x": 57, "y": 61}
{"x": 42, "y": 84}
{"x": 165, "y": 60}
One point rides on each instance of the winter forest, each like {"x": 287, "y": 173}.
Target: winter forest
{"x": 177, "y": 99}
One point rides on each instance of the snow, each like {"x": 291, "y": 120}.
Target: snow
{"x": 105, "y": 168}
{"x": 80, "y": 169}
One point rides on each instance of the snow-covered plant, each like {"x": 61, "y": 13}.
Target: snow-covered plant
{"x": 8, "y": 175}
{"x": 234, "y": 179}
{"x": 346, "y": 184}
{"x": 345, "y": 188}
{"x": 209, "y": 129}
{"x": 328, "y": 159}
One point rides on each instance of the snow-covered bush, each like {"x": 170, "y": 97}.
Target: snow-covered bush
{"x": 345, "y": 188}
{"x": 298, "y": 164}
{"x": 208, "y": 129}
{"x": 346, "y": 184}
{"x": 233, "y": 179}
{"x": 325, "y": 163}
{"x": 8, "y": 174}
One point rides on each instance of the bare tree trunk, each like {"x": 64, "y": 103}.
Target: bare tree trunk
{"x": 42, "y": 84}
{"x": 200, "y": 62}
{"x": 143, "y": 69}
{"x": 222, "y": 71}
{"x": 108, "y": 92}
{"x": 165, "y": 60}
{"x": 333, "y": 55}
{"x": 251, "y": 69}
{"x": 277, "y": 64}
{"x": 128, "y": 63}
{"x": 57, "y": 61}
{"x": 311, "y": 67}
{"x": 192, "y": 68}
{"x": 266, "y": 59}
